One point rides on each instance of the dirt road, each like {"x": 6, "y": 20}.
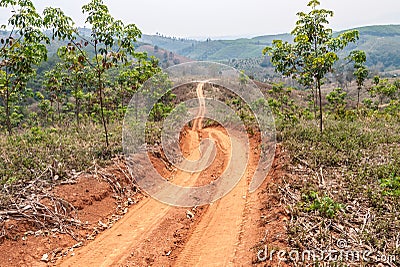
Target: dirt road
{"x": 153, "y": 233}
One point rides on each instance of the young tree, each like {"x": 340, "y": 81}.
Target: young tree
{"x": 281, "y": 95}
{"x": 313, "y": 53}
{"x": 384, "y": 89}
{"x": 79, "y": 75}
{"x": 132, "y": 77}
{"x": 55, "y": 83}
{"x": 337, "y": 101}
{"x": 22, "y": 50}
{"x": 376, "y": 80}
{"x": 361, "y": 72}
{"x": 112, "y": 42}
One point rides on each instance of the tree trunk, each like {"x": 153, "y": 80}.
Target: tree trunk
{"x": 76, "y": 105}
{"x": 102, "y": 109}
{"x": 7, "y": 104}
{"x": 136, "y": 107}
{"x": 52, "y": 113}
{"x": 358, "y": 97}
{"x": 315, "y": 100}
{"x": 77, "y": 112}
{"x": 320, "y": 105}
{"x": 59, "y": 112}
{"x": 122, "y": 97}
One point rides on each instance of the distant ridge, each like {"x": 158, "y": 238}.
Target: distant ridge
{"x": 381, "y": 42}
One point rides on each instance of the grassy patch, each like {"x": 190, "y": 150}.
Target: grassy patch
{"x": 52, "y": 154}
{"x": 391, "y": 185}
{"x": 323, "y": 205}
{"x": 344, "y": 184}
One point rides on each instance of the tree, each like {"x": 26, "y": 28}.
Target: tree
{"x": 79, "y": 75}
{"x": 361, "y": 72}
{"x": 337, "y": 101}
{"x": 243, "y": 78}
{"x": 396, "y": 83}
{"x": 384, "y": 90}
{"x": 281, "y": 104}
{"x": 313, "y": 52}
{"x": 281, "y": 95}
{"x": 55, "y": 83}
{"x": 112, "y": 42}
{"x": 131, "y": 78}
{"x": 23, "y": 49}
{"x": 376, "y": 80}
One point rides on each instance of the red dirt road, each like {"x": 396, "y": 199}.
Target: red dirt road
{"x": 155, "y": 234}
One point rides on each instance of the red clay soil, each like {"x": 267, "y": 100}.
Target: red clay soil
{"x": 171, "y": 236}
{"x": 97, "y": 208}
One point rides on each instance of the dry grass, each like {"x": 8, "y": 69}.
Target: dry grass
{"x": 353, "y": 172}
{"x": 51, "y": 155}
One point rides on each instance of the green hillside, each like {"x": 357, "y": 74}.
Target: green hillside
{"x": 381, "y": 43}
{"x": 214, "y": 49}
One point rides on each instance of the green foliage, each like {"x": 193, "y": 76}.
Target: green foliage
{"x": 391, "y": 185}
{"x": 243, "y": 79}
{"x": 283, "y": 107}
{"x": 337, "y": 101}
{"x": 325, "y": 206}
{"x": 20, "y": 51}
{"x": 243, "y": 111}
{"x": 360, "y": 70}
{"x": 384, "y": 90}
{"x": 369, "y": 103}
{"x": 313, "y": 53}
{"x": 77, "y": 76}
{"x": 130, "y": 78}
{"x": 113, "y": 44}
{"x": 393, "y": 108}
{"x": 355, "y": 163}
{"x": 376, "y": 80}
{"x": 91, "y": 80}
{"x": 160, "y": 111}
{"x": 344, "y": 143}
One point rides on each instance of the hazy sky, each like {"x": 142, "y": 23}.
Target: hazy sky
{"x": 216, "y": 18}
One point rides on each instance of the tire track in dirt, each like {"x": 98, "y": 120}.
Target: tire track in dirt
{"x": 113, "y": 244}
{"x": 216, "y": 236}
{"x": 197, "y": 123}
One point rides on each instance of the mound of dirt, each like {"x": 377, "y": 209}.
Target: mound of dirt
{"x": 95, "y": 200}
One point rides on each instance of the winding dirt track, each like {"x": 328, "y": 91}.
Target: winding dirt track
{"x": 214, "y": 239}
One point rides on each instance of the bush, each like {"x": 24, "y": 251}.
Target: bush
{"x": 325, "y": 206}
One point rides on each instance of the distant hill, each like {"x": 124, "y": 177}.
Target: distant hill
{"x": 165, "y": 57}
{"x": 381, "y": 43}
{"x": 214, "y": 49}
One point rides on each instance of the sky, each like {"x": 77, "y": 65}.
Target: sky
{"x": 228, "y": 18}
